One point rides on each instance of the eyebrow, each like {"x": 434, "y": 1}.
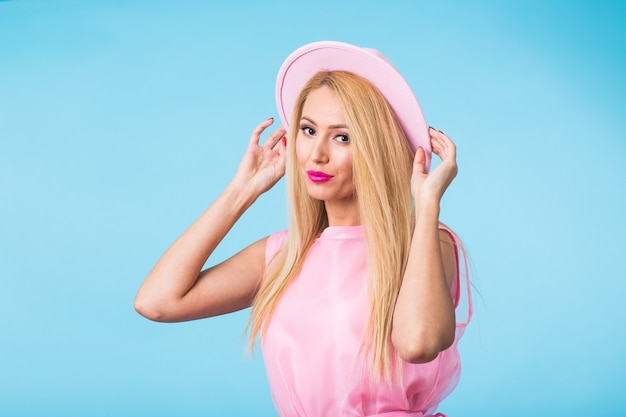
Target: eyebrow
{"x": 331, "y": 126}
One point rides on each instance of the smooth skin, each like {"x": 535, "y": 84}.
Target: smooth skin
{"x": 178, "y": 290}
{"x": 423, "y": 321}
{"x": 323, "y": 144}
{"x": 175, "y": 290}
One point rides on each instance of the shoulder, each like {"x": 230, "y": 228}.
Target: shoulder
{"x": 447, "y": 235}
{"x": 449, "y": 243}
{"x": 274, "y": 242}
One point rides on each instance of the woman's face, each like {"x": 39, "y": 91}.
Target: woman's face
{"x": 323, "y": 148}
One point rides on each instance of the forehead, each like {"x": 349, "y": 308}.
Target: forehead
{"x": 323, "y": 106}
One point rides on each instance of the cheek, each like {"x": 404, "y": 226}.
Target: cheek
{"x": 345, "y": 162}
{"x": 302, "y": 153}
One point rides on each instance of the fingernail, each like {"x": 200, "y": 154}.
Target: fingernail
{"x": 430, "y": 127}
{"x": 284, "y": 140}
{"x": 270, "y": 118}
{"x": 441, "y": 132}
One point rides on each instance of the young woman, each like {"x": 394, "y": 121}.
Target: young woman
{"x": 355, "y": 302}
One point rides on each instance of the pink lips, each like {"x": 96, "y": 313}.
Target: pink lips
{"x": 318, "y": 176}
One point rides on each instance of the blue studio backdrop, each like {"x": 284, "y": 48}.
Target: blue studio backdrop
{"x": 121, "y": 121}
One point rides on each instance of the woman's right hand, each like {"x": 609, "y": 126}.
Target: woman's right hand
{"x": 262, "y": 166}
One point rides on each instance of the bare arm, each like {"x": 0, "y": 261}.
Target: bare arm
{"x": 176, "y": 289}
{"x": 424, "y": 323}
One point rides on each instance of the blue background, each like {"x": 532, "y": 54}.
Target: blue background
{"x": 120, "y": 121}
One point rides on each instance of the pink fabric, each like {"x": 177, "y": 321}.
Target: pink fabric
{"x": 311, "y": 348}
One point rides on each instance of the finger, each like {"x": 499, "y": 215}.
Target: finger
{"x": 447, "y": 153}
{"x": 432, "y": 132}
{"x": 282, "y": 158}
{"x": 435, "y": 141}
{"x": 448, "y": 148}
{"x": 419, "y": 162}
{"x": 438, "y": 145}
{"x": 258, "y": 130}
{"x": 442, "y": 144}
{"x": 281, "y": 144}
{"x": 274, "y": 138}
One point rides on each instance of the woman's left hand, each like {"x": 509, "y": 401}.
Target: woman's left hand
{"x": 431, "y": 186}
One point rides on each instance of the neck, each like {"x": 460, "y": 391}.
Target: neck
{"x": 342, "y": 213}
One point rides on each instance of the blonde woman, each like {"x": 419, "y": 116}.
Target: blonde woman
{"x": 354, "y": 303}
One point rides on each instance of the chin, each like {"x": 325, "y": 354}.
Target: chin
{"x": 316, "y": 195}
{"x": 330, "y": 196}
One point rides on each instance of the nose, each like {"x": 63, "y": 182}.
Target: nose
{"x": 319, "y": 153}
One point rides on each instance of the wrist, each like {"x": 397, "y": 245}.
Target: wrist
{"x": 240, "y": 195}
{"x": 427, "y": 207}
{"x": 427, "y": 199}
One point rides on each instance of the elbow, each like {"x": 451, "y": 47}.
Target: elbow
{"x": 151, "y": 311}
{"x": 423, "y": 348}
{"x": 418, "y": 353}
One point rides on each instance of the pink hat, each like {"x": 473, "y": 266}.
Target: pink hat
{"x": 370, "y": 64}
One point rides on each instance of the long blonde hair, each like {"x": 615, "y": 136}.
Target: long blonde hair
{"x": 382, "y": 163}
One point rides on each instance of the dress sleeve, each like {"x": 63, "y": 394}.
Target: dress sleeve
{"x": 274, "y": 242}
{"x": 461, "y": 286}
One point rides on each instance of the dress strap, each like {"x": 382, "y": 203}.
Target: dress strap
{"x": 462, "y": 286}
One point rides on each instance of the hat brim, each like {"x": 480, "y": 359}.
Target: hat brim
{"x": 309, "y": 59}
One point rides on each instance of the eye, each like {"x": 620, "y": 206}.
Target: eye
{"x": 342, "y": 138}
{"x": 307, "y": 130}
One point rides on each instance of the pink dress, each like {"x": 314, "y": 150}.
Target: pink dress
{"x": 312, "y": 346}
